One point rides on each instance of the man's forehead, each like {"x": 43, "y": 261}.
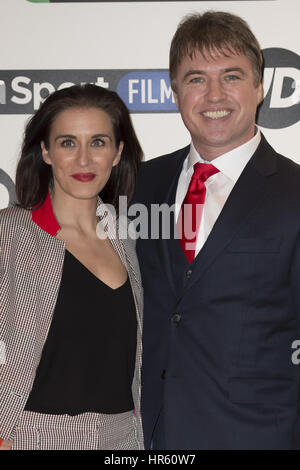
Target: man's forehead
{"x": 214, "y": 58}
{"x": 214, "y": 53}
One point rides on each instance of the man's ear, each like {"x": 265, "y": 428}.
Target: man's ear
{"x": 45, "y": 153}
{"x": 119, "y": 153}
{"x": 176, "y": 98}
{"x": 260, "y": 93}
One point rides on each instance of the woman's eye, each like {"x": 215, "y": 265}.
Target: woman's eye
{"x": 97, "y": 143}
{"x": 67, "y": 143}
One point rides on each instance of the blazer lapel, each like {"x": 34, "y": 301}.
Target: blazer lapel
{"x": 244, "y": 198}
{"x": 44, "y": 280}
{"x": 126, "y": 251}
{"x": 110, "y": 226}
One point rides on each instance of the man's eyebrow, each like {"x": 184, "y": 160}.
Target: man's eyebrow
{"x": 193, "y": 72}
{"x": 235, "y": 69}
{"x": 202, "y": 72}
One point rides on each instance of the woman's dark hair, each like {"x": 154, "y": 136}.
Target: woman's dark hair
{"x": 34, "y": 176}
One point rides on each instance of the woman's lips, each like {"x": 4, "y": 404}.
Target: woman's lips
{"x": 84, "y": 177}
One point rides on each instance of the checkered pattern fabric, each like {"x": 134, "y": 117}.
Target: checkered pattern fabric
{"x": 87, "y": 431}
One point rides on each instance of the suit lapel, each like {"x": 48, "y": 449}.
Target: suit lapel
{"x": 166, "y": 246}
{"x": 242, "y": 201}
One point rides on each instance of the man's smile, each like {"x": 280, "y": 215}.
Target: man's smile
{"x": 216, "y": 114}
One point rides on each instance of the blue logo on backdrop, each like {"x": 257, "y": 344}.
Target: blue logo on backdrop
{"x": 147, "y": 91}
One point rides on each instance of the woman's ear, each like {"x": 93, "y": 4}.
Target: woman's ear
{"x": 45, "y": 153}
{"x": 119, "y": 153}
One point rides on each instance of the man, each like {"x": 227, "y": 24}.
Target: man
{"x": 221, "y": 311}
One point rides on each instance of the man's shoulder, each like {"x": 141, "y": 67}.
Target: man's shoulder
{"x": 164, "y": 161}
{"x": 158, "y": 173}
{"x": 289, "y": 178}
{"x": 288, "y": 164}
{"x": 282, "y": 173}
{"x": 268, "y": 159}
{"x": 288, "y": 169}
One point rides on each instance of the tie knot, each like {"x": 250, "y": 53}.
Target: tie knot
{"x": 203, "y": 171}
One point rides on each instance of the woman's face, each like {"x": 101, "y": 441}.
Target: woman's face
{"x": 82, "y": 151}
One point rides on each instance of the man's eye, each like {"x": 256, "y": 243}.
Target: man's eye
{"x": 197, "y": 80}
{"x": 97, "y": 143}
{"x": 231, "y": 77}
{"x": 67, "y": 143}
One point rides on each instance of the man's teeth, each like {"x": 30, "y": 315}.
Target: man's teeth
{"x": 216, "y": 114}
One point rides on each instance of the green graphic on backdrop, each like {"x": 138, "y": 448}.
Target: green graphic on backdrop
{"x": 114, "y": 1}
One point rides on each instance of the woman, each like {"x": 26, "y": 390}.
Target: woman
{"x": 70, "y": 296}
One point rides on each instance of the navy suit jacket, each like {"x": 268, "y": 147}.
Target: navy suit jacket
{"x": 218, "y": 333}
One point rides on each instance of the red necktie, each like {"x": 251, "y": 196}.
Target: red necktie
{"x": 192, "y": 207}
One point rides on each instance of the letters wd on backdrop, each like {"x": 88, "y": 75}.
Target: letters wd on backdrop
{"x": 124, "y": 46}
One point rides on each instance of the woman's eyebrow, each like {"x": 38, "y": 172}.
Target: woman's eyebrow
{"x": 70, "y": 136}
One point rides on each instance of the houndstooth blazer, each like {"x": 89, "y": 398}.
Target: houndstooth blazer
{"x": 31, "y": 263}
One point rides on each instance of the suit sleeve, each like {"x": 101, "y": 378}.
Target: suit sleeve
{"x": 295, "y": 288}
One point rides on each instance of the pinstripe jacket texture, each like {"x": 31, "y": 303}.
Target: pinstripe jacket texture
{"x": 31, "y": 263}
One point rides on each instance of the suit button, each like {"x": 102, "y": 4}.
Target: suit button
{"x": 163, "y": 374}
{"x": 176, "y": 318}
{"x": 189, "y": 273}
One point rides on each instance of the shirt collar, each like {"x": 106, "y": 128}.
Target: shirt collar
{"x": 45, "y": 218}
{"x": 232, "y": 163}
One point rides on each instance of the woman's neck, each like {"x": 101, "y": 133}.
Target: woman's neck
{"x": 75, "y": 214}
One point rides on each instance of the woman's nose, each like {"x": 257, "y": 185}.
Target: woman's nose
{"x": 83, "y": 155}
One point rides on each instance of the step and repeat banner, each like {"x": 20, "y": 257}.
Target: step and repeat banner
{"x": 124, "y": 46}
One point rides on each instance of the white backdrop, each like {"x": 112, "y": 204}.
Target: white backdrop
{"x": 43, "y": 41}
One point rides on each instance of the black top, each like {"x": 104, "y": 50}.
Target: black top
{"x": 88, "y": 359}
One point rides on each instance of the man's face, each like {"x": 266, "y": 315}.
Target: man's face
{"x": 217, "y": 100}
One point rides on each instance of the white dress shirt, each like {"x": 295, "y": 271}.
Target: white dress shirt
{"x": 218, "y": 186}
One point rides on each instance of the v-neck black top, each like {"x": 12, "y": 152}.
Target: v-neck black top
{"x": 88, "y": 360}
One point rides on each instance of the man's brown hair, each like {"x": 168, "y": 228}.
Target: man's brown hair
{"x": 214, "y": 31}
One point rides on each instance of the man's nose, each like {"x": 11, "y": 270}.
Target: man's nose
{"x": 215, "y": 91}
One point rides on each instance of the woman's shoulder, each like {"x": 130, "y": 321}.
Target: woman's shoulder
{"x": 14, "y": 216}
